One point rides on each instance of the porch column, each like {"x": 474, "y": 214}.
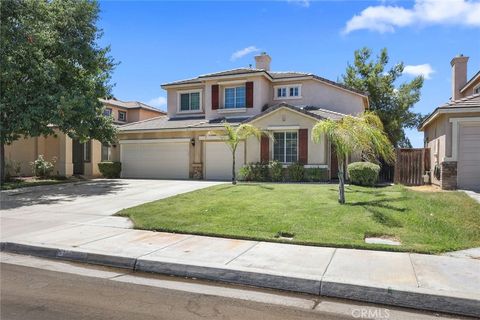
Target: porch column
{"x": 65, "y": 161}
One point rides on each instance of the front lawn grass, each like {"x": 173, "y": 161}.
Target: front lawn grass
{"x": 427, "y": 222}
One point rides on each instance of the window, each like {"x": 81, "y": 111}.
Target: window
{"x": 87, "y": 149}
{"x": 190, "y": 101}
{"x": 235, "y": 97}
{"x": 288, "y": 92}
{"x": 122, "y": 116}
{"x": 107, "y": 112}
{"x": 106, "y": 152}
{"x": 476, "y": 90}
{"x": 285, "y": 146}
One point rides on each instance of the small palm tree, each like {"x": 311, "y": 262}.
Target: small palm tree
{"x": 363, "y": 134}
{"x": 232, "y": 136}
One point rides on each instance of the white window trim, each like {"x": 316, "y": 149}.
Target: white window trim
{"x": 284, "y": 146}
{"x": 234, "y": 98}
{"x": 475, "y": 88}
{"x": 125, "y": 113}
{"x": 455, "y": 133}
{"x": 288, "y": 97}
{"x": 110, "y": 112}
{"x": 179, "y": 102}
{"x": 231, "y": 110}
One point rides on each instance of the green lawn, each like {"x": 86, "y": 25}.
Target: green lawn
{"x": 428, "y": 222}
{"x": 32, "y": 182}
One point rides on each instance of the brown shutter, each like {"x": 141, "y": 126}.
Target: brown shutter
{"x": 264, "y": 149}
{"x": 215, "y": 98}
{"x": 249, "y": 94}
{"x": 303, "y": 146}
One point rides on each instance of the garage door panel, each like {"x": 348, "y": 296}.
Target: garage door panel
{"x": 218, "y": 160}
{"x": 468, "y": 171}
{"x": 162, "y": 160}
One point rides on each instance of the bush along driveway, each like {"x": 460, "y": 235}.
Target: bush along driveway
{"x": 426, "y": 222}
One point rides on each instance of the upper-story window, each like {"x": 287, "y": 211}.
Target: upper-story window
{"x": 476, "y": 90}
{"x": 122, "y": 116}
{"x": 235, "y": 97}
{"x": 190, "y": 101}
{"x": 293, "y": 91}
{"x": 107, "y": 112}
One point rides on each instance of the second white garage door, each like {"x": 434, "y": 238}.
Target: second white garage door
{"x": 218, "y": 160}
{"x": 162, "y": 159}
{"x": 468, "y": 170}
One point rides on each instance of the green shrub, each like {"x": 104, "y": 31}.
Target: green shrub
{"x": 110, "y": 170}
{"x": 296, "y": 172}
{"x": 276, "y": 171}
{"x": 363, "y": 173}
{"x": 254, "y": 172}
{"x": 316, "y": 174}
{"x": 42, "y": 168}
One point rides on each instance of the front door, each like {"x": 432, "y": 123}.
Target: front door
{"x": 77, "y": 157}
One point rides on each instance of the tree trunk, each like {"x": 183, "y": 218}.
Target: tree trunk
{"x": 341, "y": 182}
{"x": 234, "y": 178}
{"x": 2, "y": 163}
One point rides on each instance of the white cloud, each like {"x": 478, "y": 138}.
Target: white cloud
{"x": 301, "y": 3}
{"x": 424, "y": 70}
{"x": 243, "y": 52}
{"x": 158, "y": 102}
{"x": 386, "y": 18}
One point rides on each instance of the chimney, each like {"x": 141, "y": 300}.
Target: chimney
{"x": 459, "y": 75}
{"x": 262, "y": 61}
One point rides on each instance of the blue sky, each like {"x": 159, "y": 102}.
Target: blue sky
{"x": 157, "y": 42}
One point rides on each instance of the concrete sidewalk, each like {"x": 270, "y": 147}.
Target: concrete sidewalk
{"x": 438, "y": 283}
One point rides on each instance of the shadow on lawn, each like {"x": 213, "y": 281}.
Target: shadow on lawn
{"x": 384, "y": 218}
{"x": 260, "y": 185}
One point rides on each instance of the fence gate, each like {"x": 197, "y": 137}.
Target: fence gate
{"x": 410, "y": 166}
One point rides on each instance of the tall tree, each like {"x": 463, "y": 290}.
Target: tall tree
{"x": 52, "y": 71}
{"x": 363, "y": 134}
{"x": 392, "y": 103}
{"x": 232, "y": 136}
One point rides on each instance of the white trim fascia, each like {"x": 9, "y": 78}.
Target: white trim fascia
{"x": 283, "y": 107}
{"x": 455, "y": 135}
{"x": 212, "y": 138}
{"x": 180, "y": 92}
{"x": 280, "y": 128}
{"x": 450, "y": 110}
{"x": 472, "y": 81}
{"x": 232, "y": 82}
{"x": 154, "y": 140}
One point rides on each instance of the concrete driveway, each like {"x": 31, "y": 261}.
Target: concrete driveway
{"x": 91, "y": 202}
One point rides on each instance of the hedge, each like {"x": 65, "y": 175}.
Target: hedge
{"x": 110, "y": 170}
{"x": 363, "y": 173}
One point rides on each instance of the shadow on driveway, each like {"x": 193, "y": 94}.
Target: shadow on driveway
{"x": 53, "y": 194}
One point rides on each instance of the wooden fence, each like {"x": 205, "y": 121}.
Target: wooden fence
{"x": 410, "y": 166}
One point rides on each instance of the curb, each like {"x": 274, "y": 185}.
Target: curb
{"x": 425, "y": 300}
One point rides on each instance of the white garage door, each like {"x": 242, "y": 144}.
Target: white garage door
{"x": 218, "y": 160}
{"x": 468, "y": 170}
{"x": 161, "y": 159}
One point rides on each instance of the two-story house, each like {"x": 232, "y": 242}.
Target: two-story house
{"x": 73, "y": 157}
{"x": 288, "y": 104}
{"x": 452, "y": 132}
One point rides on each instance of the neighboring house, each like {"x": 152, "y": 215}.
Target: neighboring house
{"x": 73, "y": 157}
{"x": 452, "y": 132}
{"x": 288, "y": 104}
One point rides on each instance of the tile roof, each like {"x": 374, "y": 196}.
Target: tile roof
{"x": 275, "y": 75}
{"x": 472, "y": 101}
{"x": 472, "y": 80}
{"x": 129, "y": 104}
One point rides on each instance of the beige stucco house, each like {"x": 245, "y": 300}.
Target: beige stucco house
{"x": 73, "y": 157}
{"x": 288, "y": 104}
{"x": 452, "y": 132}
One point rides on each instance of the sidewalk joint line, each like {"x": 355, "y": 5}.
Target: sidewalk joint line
{"x": 243, "y": 252}
{"x": 324, "y": 272}
{"x": 414, "y": 271}
{"x": 167, "y": 246}
{"x": 110, "y": 236}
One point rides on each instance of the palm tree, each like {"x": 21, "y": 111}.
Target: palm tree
{"x": 363, "y": 134}
{"x": 232, "y": 136}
